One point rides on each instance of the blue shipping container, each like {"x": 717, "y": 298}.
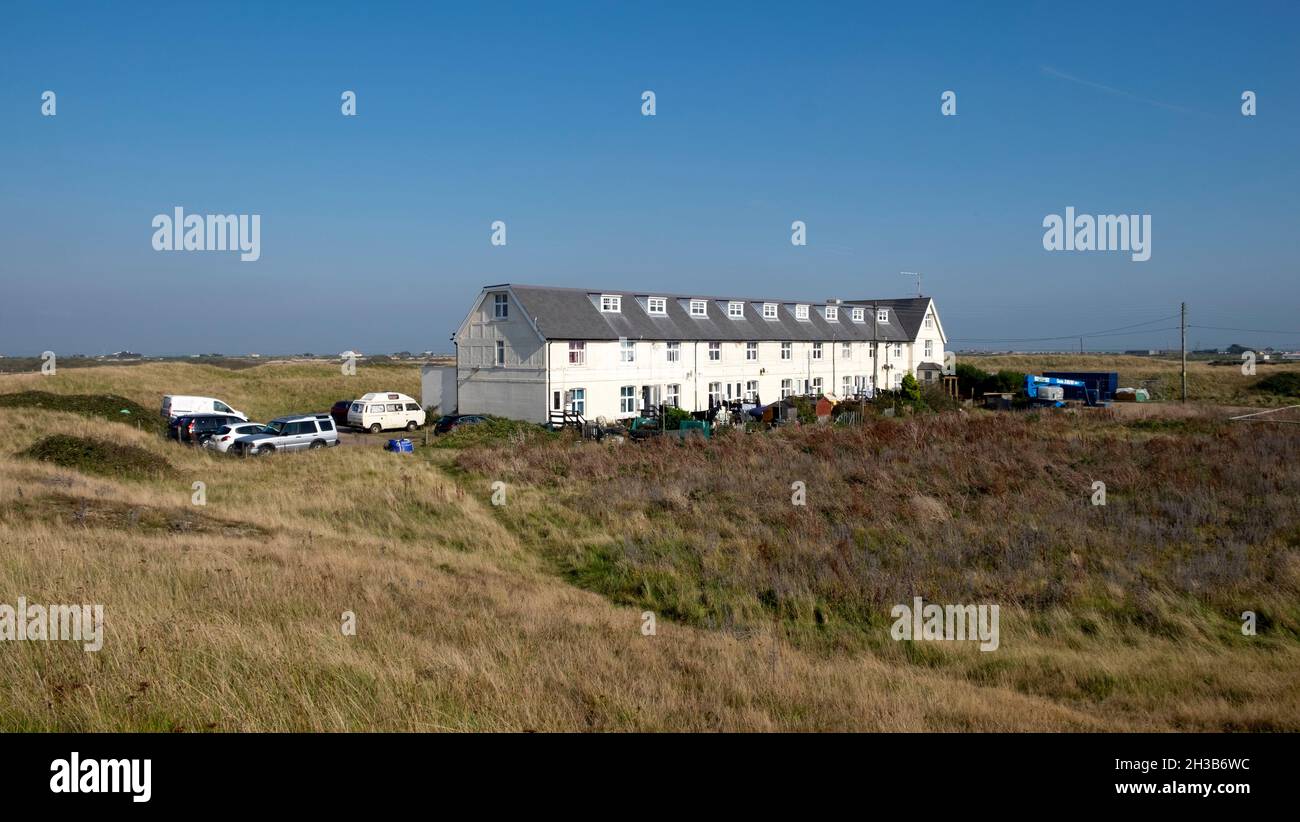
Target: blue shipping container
{"x": 1105, "y": 383}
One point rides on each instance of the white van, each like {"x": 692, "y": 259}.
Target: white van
{"x": 176, "y": 405}
{"x": 385, "y": 410}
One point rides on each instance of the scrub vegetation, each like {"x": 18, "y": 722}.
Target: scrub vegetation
{"x": 528, "y": 615}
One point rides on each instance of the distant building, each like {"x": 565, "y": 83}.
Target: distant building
{"x": 527, "y": 351}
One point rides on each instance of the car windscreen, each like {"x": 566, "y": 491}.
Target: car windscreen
{"x": 275, "y": 427}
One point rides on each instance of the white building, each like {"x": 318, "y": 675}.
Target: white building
{"x": 527, "y": 351}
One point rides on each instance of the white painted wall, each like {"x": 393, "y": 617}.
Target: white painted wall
{"x": 526, "y": 386}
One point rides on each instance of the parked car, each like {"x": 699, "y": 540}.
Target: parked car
{"x": 451, "y": 421}
{"x": 197, "y": 428}
{"x": 177, "y": 405}
{"x": 339, "y": 412}
{"x": 382, "y": 411}
{"x": 225, "y": 436}
{"x": 298, "y": 432}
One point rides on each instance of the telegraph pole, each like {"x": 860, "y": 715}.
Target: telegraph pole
{"x": 1182, "y": 335}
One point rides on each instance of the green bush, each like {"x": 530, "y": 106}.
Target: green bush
{"x": 98, "y": 457}
{"x": 1285, "y": 383}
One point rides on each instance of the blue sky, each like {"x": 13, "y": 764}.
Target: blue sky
{"x": 375, "y": 228}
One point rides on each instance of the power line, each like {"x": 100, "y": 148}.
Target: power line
{"x": 1248, "y": 330}
{"x": 1103, "y": 333}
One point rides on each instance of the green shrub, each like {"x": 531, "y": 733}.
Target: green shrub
{"x": 1285, "y": 383}
{"x": 491, "y": 430}
{"x": 98, "y": 457}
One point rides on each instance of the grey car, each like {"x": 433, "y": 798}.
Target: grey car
{"x": 297, "y": 432}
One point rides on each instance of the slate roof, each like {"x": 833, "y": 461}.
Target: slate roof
{"x": 574, "y": 314}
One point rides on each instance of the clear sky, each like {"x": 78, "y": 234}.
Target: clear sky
{"x": 375, "y": 229}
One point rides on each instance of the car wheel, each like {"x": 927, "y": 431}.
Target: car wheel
{"x": 411, "y": 426}
{"x": 264, "y": 450}
{"x": 316, "y": 444}
{"x": 374, "y": 428}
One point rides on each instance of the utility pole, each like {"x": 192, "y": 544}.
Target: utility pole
{"x": 1182, "y": 335}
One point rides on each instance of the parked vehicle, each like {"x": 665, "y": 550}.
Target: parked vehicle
{"x": 451, "y": 421}
{"x": 225, "y": 436}
{"x": 177, "y": 405}
{"x": 298, "y": 432}
{"x": 197, "y": 428}
{"x": 383, "y": 411}
{"x": 339, "y": 412}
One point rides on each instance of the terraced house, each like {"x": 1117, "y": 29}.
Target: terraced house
{"x": 526, "y": 351}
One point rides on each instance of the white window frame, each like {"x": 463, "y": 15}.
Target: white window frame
{"x": 769, "y": 311}
{"x": 578, "y": 347}
{"x": 626, "y": 350}
{"x": 501, "y": 306}
{"x": 751, "y": 390}
{"x": 674, "y": 394}
{"x": 929, "y": 348}
{"x": 751, "y": 352}
{"x": 715, "y": 393}
{"x": 787, "y": 388}
{"x": 816, "y": 351}
{"x": 882, "y": 315}
{"x": 817, "y": 386}
{"x": 657, "y": 306}
{"x": 801, "y": 312}
{"x": 611, "y": 304}
{"x": 699, "y": 308}
{"x": 715, "y": 352}
{"x": 735, "y": 310}
{"x": 501, "y": 352}
{"x": 898, "y": 349}
{"x": 627, "y": 399}
{"x": 578, "y": 400}
{"x": 929, "y": 321}
{"x": 859, "y": 314}
{"x": 673, "y": 352}
{"x": 832, "y": 314}
{"x": 787, "y": 351}
{"x": 846, "y": 383}
{"x": 846, "y": 350}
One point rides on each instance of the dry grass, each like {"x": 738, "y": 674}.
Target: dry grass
{"x": 228, "y": 617}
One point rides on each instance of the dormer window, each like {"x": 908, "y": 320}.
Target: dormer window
{"x": 882, "y": 315}
{"x": 611, "y": 303}
{"x": 735, "y": 310}
{"x": 801, "y": 312}
{"x": 859, "y": 314}
{"x": 832, "y": 314}
{"x": 658, "y": 306}
{"x": 769, "y": 311}
{"x": 699, "y": 308}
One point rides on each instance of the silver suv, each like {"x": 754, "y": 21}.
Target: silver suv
{"x": 293, "y": 433}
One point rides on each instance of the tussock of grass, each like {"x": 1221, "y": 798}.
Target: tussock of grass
{"x": 89, "y": 512}
{"x": 101, "y": 457}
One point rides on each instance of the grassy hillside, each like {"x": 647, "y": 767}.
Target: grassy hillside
{"x": 528, "y": 614}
